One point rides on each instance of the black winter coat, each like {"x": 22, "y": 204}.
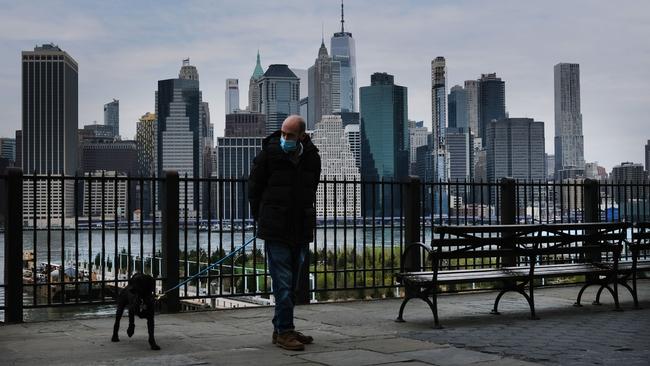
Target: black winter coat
{"x": 282, "y": 194}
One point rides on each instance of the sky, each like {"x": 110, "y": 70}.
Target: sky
{"x": 124, "y": 47}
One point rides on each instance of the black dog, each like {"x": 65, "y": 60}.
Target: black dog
{"x": 138, "y": 296}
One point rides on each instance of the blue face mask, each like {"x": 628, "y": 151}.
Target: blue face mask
{"x": 288, "y": 145}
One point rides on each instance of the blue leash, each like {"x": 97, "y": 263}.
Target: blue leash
{"x": 231, "y": 254}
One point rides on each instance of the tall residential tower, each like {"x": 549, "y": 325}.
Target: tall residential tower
{"x": 569, "y": 141}
{"x": 439, "y": 115}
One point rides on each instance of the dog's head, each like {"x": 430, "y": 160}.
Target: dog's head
{"x": 142, "y": 285}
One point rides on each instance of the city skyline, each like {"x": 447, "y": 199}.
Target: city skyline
{"x": 120, "y": 56}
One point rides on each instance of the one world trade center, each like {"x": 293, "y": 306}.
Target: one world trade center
{"x": 343, "y": 50}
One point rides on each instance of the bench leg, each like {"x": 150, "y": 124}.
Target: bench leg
{"x": 531, "y": 303}
{"x": 622, "y": 283}
{"x": 400, "y": 318}
{"x": 436, "y": 321}
{"x": 617, "y": 306}
{"x": 433, "y": 304}
{"x": 600, "y": 291}
{"x": 495, "y": 310}
{"x": 634, "y": 293}
{"x": 582, "y": 290}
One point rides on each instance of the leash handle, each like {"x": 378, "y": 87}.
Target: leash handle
{"x": 218, "y": 262}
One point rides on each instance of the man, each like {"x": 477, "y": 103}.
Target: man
{"x": 282, "y": 193}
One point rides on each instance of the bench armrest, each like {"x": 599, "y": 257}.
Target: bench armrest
{"x": 408, "y": 249}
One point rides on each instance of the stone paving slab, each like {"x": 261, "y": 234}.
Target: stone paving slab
{"x": 358, "y": 333}
{"x": 392, "y": 345}
{"x": 359, "y": 357}
{"x": 450, "y": 356}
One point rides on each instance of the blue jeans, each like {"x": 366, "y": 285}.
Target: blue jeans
{"x": 285, "y": 263}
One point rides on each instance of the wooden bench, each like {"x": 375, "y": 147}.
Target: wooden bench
{"x": 516, "y": 255}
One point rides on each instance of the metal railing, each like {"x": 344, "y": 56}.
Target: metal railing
{"x": 78, "y": 239}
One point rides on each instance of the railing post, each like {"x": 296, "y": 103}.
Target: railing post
{"x": 13, "y": 217}
{"x": 412, "y": 211}
{"x": 508, "y": 207}
{"x": 591, "y": 201}
{"x": 170, "y": 235}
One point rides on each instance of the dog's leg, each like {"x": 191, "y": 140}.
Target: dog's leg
{"x": 131, "y": 329}
{"x": 118, "y": 317}
{"x": 150, "y": 329}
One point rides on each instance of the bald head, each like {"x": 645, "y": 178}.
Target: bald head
{"x": 293, "y": 128}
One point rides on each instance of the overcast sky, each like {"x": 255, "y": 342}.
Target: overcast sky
{"x": 124, "y": 47}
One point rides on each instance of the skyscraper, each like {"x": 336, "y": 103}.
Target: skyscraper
{"x": 418, "y": 136}
{"x": 232, "y": 95}
{"x": 338, "y": 164}
{"x": 145, "y": 139}
{"x": 95, "y": 130}
{"x": 253, "y": 88}
{"x": 19, "y": 149}
{"x": 8, "y": 148}
{"x": 324, "y": 88}
{"x": 492, "y": 101}
{"x": 384, "y": 139}
{"x": 459, "y": 152}
{"x": 628, "y": 174}
{"x": 233, "y": 157}
{"x": 515, "y": 148}
{"x": 459, "y": 157}
{"x": 50, "y": 111}
{"x": 49, "y": 130}
{"x": 112, "y": 116}
{"x": 569, "y": 141}
{"x": 647, "y": 157}
{"x": 302, "y": 75}
{"x": 344, "y": 51}
{"x": 439, "y": 115}
{"x": 99, "y": 154}
{"x": 550, "y": 166}
{"x": 245, "y": 124}
{"x": 180, "y": 130}
{"x": 353, "y": 135}
{"x": 472, "y": 99}
{"x": 279, "y": 95}
{"x": 458, "y": 108}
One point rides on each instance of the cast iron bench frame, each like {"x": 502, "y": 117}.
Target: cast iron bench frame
{"x": 590, "y": 241}
{"x": 630, "y": 270}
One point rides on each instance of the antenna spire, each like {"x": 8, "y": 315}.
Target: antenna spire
{"x": 342, "y": 20}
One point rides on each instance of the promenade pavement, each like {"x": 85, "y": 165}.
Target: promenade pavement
{"x": 359, "y": 333}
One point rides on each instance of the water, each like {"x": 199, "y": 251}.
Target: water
{"x": 93, "y": 243}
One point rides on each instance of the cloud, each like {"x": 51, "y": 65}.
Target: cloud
{"x": 123, "y": 48}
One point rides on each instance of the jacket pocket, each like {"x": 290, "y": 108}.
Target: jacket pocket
{"x": 273, "y": 219}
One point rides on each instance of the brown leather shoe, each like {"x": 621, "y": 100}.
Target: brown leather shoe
{"x": 288, "y": 340}
{"x": 302, "y": 338}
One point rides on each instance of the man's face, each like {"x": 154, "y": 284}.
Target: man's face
{"x": 291, "y": 131}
